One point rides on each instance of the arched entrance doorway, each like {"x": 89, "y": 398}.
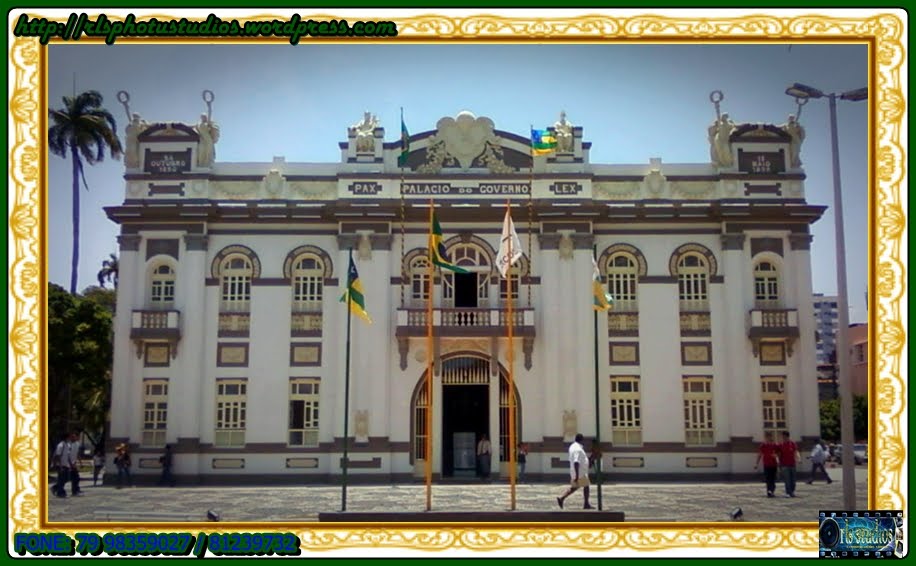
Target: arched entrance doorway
{"x": 465, "y": 409}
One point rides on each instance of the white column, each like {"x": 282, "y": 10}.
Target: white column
{"x": 126, "y": 381}
{"x": 185, "y": 391}
{"x": 371, "y": 344}
{"x": 805, "y": 406}
{"x": 583, "y": 347}
{"x": 550, "y": 317}
{"x": 738, "y": 387}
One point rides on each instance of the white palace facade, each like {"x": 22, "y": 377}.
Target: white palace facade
{"x": 230, "y": 337}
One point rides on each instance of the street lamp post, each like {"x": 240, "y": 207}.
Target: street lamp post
{"x": 803, "y": 93}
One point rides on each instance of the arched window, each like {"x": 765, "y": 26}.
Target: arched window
{"x": 235, "y": 275}
{"x": 516, "y": 271}
{"x": 474, "y": 259}
{"x": 162, "y": 287}
{"x": 308, "y": 283}
{"x": 693, "y": 283}
{"x": 419, "y": 281}
{"x": 622, "y": 276}
{"x": 766, "y": 285}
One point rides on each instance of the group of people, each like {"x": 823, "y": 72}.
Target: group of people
{"x": 67, "y": 459}
{"x": 783, "y": 457}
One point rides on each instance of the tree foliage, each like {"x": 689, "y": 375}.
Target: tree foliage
{"x": 830, "y": 419}
{"x": 79, "y": 361}
{"x": 84, "y": 130}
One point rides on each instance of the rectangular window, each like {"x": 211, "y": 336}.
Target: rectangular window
{"x": 155, "y": 411}
{"x": 626, "y": 422}
{"x": 303, "y": 411}
{"x": 307, "y": 293}
{"x": 693, "y": 292}
{"x": 503, "y": 285}
{"x": 162, "y": 292}
{"x": 231, "y": 399}
{"x": 773, "y": 396}
{"x": 858, "y": 353}
{"x": 698, "y": 424}
{"x": 236, "y": 295}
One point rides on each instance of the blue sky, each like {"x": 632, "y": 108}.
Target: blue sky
{"x": 634, "y": 102}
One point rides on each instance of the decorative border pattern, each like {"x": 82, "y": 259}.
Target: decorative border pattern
{"x": 887, "y": 485}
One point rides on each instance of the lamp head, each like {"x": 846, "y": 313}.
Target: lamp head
{"x": 799, "y": 90}
{"x": 855, "y": 95}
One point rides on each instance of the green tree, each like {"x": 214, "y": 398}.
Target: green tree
{"x": 109, "y": 271}
{"x": 830, "y": 420}
{"x": 79, "y": 363}
{"x": 860, "y": 417}
{"x": 85, "y": 130}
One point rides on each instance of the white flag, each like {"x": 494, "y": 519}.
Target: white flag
{"x": 509, "y": 242}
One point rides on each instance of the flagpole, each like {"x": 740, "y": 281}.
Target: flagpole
{"x": 346, "y": 463}
{"x": 403, "y": 216}
{"x": 530, "y": 219}
{"x": 429, "y": 372}
{"x": 510, "y": 358}
{"x": 597, "y": 402}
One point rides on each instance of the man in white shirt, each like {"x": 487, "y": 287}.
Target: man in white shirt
{"x": 578, "y": 472}
{"x": 60, "y": 461}
{"x": 71, "y": 460}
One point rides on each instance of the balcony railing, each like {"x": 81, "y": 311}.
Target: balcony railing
{"x": 465, "y": 322}
{"x": 775, "y": 323}
{"x": 157, "y": 324}
{"x": 234, "y": 323}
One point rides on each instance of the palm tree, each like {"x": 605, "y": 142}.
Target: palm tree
{"x": 85, "y": 129}
{"x": 109, "y": 271}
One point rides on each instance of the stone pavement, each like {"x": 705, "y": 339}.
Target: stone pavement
{"x": 639, "y": 501}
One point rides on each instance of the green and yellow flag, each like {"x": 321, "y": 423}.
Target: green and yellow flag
{"x": 405, "y": 143}
{"x": 437, "y": 254}
{"x": 602, "y": 300}
{"x": 355, "y": 291}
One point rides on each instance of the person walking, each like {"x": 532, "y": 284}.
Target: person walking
{"x": 483, "y": 457}
{"x": 818, "y": 458}
{"x": 73, "y": 461}
{"x": 166, "y": 461}
{"x": 522, "y": 459}
{"x": 59, "y": 461}
{"x": 788, "y": 459}
{"x": 98, "y": 464}
{"x": 768, "y": 453}
{"x": 122, "y": 461}
{"x": 578, "y": 472}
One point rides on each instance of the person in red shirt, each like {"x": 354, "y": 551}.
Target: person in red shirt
{"x": 768, "y": 452}
{"x": 788, "y": 459}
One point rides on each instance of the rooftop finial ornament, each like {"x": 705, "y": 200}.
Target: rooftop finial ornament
{"x": 208, "y": 97}
{"x": 124, "y": 99}
{"x": 716, "y": 97}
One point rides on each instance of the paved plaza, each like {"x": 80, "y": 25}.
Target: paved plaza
{"x": 638, "y": 500}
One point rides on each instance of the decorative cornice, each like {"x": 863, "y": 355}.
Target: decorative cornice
{"x": 732, "y": 241}
{"x": 800, "y": 241}
{"x": 196, "y": 242}
{"x": 129, "y": 242}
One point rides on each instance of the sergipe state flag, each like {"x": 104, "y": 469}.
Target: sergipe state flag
{"x": 602, "y": 300}
{"x": 355, "y": 291}
{"x": 542, "y": 142}
{"x": 437, "y": 253}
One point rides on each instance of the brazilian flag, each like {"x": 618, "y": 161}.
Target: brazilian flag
{"x": 355, "y": 291}
{"x": 437, "y": 253}
{"x": 405, "y": 142}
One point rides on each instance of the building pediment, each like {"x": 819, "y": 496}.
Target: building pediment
{"x": 760, "y": 133}
{"x": 169, "y": 131}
